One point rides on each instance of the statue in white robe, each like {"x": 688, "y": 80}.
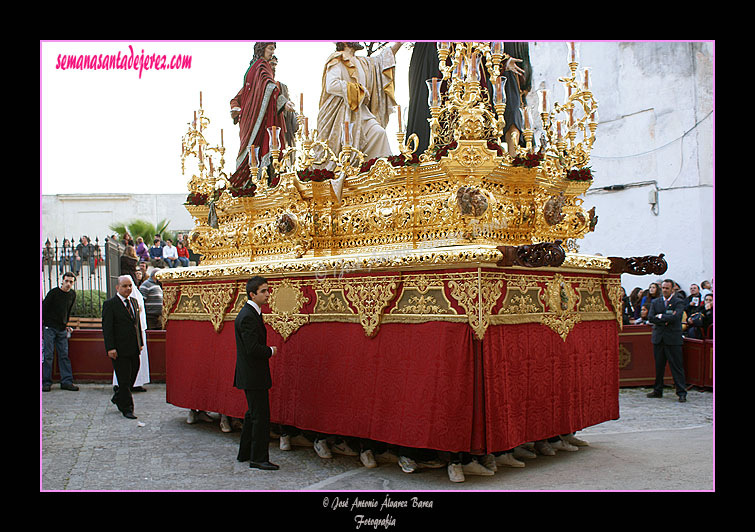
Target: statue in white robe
{"x": 358, "y": 90}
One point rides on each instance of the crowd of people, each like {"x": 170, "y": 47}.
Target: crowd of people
{"x": 697, "y": 320}
{"x": 161, "y": 254}
{"x": 71, "y": 258}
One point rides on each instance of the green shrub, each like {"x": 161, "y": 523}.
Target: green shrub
{"x": 88, "y": 303}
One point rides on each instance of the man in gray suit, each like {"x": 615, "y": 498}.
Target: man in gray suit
{"x": 666, "y": 316}
{"x": 253, "y": 376}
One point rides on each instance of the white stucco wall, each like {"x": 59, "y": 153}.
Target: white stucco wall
{"x": 655, "y": 133}
{"x": 74, "y": 215}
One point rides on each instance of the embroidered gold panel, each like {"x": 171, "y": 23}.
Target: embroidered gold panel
{"x": 479, "y": 297}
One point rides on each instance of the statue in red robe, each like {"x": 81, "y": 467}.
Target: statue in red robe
{"x": 256, "y": 107}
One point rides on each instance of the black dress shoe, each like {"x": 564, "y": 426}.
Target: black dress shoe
{"x": 69, "y": 387}
{"x": 129, "y": 414}
{"x": 138, "y": 389}
{"x": 655, "y": 394}
{"x": 267, "y": 466}
{"x": 682, "y": 398}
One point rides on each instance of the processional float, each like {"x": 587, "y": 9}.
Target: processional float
{"x": 432, "y": 300}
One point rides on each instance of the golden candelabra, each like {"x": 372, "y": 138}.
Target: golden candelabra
{"x": 464, "y": 190}
{"x": 211, "y": 178}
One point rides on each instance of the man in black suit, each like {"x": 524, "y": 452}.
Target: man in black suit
{"x": 121, "y": 329}
{"x": 253, "y": 376}
{"x": 666, "y": 316}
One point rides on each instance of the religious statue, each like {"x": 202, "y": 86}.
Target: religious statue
{"x": 357, "y": 100}
{"x": 257, "y": 106}
{"x": 424, "y": 66}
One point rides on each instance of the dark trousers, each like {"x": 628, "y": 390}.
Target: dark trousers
{"x": 126, "y": 369}
{"x": 673, "y": 355}
{"x": 255, "y": 434}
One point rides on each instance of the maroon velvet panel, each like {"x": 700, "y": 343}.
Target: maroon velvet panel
{"x": 538, "y": 386}
{"x": 409, "y": 385}
{"x": 200, "y": 364}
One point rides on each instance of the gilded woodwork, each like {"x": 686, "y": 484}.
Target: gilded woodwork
{"x": 479, "y": 297}
{"x": 410, "y": 238}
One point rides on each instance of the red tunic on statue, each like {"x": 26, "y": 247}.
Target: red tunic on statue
{"x": 258, "y": 101}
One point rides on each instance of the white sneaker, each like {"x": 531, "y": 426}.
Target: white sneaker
{"x": 322, "y": 449}
{"x": 285, "y": 443}
{"x": 489, "y": 462}
{"x": 521, "y": 452}
{"x": 476, "y": 468}
{"x": 367, "y": 459}
{"x": 225, "y": 425}
{"x": 572, "y": 439}
{"x": 543, "y": 447}
{"x": 455, "y": 473}
{"x": 192, "y": 417}
{"x": 407, "y": 464}
{"x": 563, "y": 445}
{"x": 343, "y": 448}
{"x": 508, "y": 459}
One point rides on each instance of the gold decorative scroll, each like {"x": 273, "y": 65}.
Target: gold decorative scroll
{"x": 170, "y": 296}
{"x": 215, "y": 299}
{"x": 554, "y": 297}
{"x": 370, "y": 295}
{"x": 477, "y": 296}
{"x": 286, "y": 301}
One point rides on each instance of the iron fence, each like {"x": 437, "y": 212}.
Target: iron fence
{"x": 96, "y": 267}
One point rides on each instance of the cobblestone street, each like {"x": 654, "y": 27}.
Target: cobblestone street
{"x": 88, "y": 445}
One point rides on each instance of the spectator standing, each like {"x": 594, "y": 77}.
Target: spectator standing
{"x": 706, "y": 288}
{"x": 56, "y": 311}
{"x": 694, "y": 301}
{"x": 129, "y": 262}
{"x": 153, "y": 300}
{"x": 627, "y": 310}
{"x": 643, "y": 319}
{"x": 170, "y": 254}
{"x": 666, "y": 316}
{"x": 699, "y": 324}
{"x": 127, "y": 239}
{"x": 653, "y": 291}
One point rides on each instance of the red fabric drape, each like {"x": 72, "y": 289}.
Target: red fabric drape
{"x": 430, "y": 385}
{"x": 410, "y": 385}
{"x": 538, "y": 386}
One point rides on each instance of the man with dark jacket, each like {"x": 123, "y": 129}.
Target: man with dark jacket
{"x": 253, "y": 376}
{"x": 56, "y": 311}
{"x": 666, "y": 316}
{"x": 121, "y": 329}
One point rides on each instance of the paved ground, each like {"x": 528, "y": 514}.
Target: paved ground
{"x": 86, "y": 444}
